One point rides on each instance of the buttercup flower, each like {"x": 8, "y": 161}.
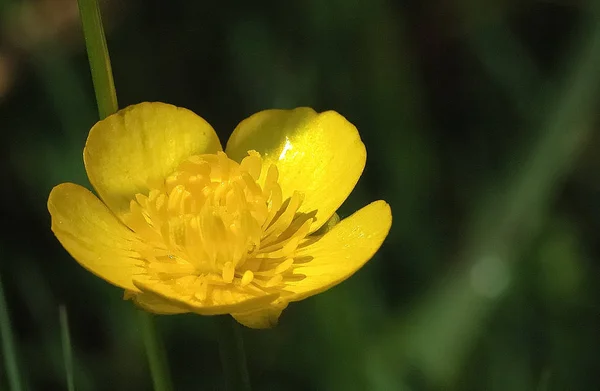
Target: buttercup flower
{"x": 184, "y": 227}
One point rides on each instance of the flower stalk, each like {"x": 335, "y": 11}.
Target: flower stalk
{"x": 157, "y": 359}
{"x": 233, "y": 358}
{"x": 106, "y": 98}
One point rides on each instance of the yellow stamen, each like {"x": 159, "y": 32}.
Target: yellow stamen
{"x": 212, "y": 223}
{"x": 247, "y": 278}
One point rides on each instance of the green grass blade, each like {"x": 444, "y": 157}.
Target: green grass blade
{"x": 8, "y": 346}
{"x": 95, "y": 42}
{"x": 66, "y": 347}
{"x": 438, "y": 333}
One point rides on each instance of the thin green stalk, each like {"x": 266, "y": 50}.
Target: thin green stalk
{"x": 156, "y": 353}
{"x": 95, "y": 42}
{"x": 106, "y": 97}
{"x": 66, "y": 347}
{"x": 8, "y": 346}
{"x": 233, "y": 357}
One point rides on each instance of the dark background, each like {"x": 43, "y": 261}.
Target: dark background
{"x": 481, "y": 125}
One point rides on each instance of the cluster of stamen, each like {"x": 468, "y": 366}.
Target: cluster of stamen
{"x": 216, "y": 222}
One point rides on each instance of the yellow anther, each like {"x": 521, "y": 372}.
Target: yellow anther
{"x": 228, "y": 272}
{"x": 212, "y": 224}
{"x": 274, "y": 281}
{"x": 247, "y": 278}
{"x": 284, "y": 266}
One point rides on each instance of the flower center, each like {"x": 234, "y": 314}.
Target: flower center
{"x": 217, "y": 222}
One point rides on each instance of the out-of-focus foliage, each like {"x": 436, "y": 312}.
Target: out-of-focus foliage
{"x": 481, "y": 126}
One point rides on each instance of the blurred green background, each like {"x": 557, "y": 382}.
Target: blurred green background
{"x": 481, "y": 124}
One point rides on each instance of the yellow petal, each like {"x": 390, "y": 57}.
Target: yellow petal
{"x": 141, "y": 144}
{"x": 264, "y": 318}
{"x": 340, "y": 252}
{"x": 320, "y": 155}
{"x": 224, "y": 299}
{"x": 93, "y": 235}
{"x": 156, "y": 304}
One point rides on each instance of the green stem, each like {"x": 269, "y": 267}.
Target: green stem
{"x": 233, "y": 357}
{"x": 67, "y": 349}
{"x": 106, "y": 98}
{"x": 8, "y": 346}
{"x": 156, "y": 353}
{"x": 95, "y": 42}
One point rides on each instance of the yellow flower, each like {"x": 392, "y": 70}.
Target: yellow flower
{"x": 184, "y": 227}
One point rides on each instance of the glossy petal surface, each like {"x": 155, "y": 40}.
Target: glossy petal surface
{"x": 339, "y": 253}
{"x": 184, "y": 227}
{"x": 129, "y": 151}
{"x": 320, "y": 155}
{"x": 93, "y": 235}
